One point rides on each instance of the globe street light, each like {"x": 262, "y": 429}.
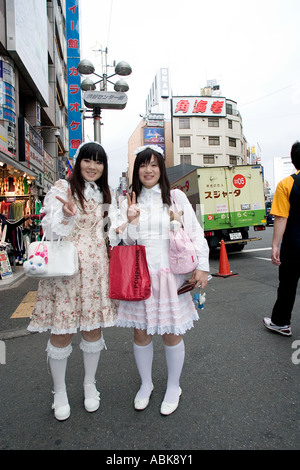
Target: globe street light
{"x": 97, "y": 100}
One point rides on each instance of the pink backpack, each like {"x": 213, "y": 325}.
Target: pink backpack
{"x": 182, "y": 253}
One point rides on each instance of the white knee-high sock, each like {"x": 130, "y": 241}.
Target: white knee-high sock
{"x": 91, "y": 355}
{"x": 175, "y": 359}
{"x": 143, "y": 357}
{"x": 57, "y": 359}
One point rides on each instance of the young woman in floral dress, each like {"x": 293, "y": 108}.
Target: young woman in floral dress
{"x": 76, "y": 209}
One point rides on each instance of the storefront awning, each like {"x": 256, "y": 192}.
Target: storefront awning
{"x": 18, "y": 165}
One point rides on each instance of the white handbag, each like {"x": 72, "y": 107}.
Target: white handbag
{"x": 51, "y": 259}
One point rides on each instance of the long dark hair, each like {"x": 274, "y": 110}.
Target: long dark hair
{"x": 145, "y": 157}
{"x": 91, "y": 151}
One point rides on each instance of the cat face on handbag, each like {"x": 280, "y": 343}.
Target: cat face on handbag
{"x": 37, "y": 263}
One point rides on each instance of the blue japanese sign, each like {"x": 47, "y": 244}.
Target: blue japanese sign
{"x": 74, "y": 92}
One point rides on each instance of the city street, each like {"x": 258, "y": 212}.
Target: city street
{"x": 240, "y": 382}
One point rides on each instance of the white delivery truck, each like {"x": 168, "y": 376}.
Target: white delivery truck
{"x": 228, "y": 200}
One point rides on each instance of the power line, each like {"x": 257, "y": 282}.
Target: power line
{"x": 269, "y": 94}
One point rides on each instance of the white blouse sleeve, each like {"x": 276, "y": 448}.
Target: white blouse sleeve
{"x": 193, "y": 229}
{"x": 130, "y": 232}
{"x": 54, "y": 223}
{"x": 114, "y": 219}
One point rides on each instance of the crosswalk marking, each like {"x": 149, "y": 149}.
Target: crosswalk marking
{"x": 25, "y": 308}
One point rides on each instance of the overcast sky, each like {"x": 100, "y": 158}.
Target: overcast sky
{"x": 251, "y": 47}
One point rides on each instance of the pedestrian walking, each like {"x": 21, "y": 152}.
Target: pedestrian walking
{"x": 145, "y": 219}
{"x": 75, "y": 209}
{"x": 286, "y": 247}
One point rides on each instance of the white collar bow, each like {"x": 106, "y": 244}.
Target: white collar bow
{"x": 91, "y": 191}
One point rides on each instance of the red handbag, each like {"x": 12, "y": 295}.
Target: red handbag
{"x": 129, "y": 277}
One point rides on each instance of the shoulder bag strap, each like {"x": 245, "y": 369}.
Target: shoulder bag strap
{"x": 173, "y": 198}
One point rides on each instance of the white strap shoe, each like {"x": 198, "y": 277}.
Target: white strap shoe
{"x": 168, "y": 408}
{"x": 142, "y": 403}
{"x": 92, "y": 397}
{"x": 61, "y": 412}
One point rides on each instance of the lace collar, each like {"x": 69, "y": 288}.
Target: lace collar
{"x": 91, "y": 191}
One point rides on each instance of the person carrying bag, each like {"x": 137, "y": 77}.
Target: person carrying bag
{"x": 75, "y": 209}
{"x": 145, "y": 220}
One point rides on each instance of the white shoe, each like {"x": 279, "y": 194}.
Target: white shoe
{"x": 282, "y": 330}
{"x": 142, "y": 403}
{"x": 92, "y": 403}
{"x": 61, "y": 412}
{"x": 168, "y": 408}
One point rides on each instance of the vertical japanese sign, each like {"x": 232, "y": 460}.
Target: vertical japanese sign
{"x": 74, "y": 93}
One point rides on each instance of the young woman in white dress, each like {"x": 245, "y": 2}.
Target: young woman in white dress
{"x": 76, "y": 209}
{"x": 145, "y": 219}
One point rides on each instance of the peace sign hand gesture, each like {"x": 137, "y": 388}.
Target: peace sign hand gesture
{"x": 133, "y": 211}
{"x": 69, "y": 208}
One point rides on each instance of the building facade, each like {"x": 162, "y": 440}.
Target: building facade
{"x": 283, "y": 168}
{"x": 204, "y": 130}
{"x": 34, "y": 128}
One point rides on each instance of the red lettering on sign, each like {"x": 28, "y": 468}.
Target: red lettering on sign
{"x": 216, "y": 107}
{"x": 182, "y": 105}
{"x": 200, "y": 106}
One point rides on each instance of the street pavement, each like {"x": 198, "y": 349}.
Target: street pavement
{"x": 240, "y": 382}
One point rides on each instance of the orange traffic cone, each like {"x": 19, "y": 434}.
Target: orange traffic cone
{"x": 224, "y": 270}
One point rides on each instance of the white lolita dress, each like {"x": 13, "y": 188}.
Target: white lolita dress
{"x": 165, "y": 311}
{"x": 65, "y": 304}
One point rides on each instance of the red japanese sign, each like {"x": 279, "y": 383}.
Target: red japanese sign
{"x": 199, "y": 106}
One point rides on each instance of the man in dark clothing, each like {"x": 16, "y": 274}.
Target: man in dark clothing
{"x": 286, "y": 209}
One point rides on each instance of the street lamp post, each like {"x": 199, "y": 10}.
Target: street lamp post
{"x": 97, "y": 123}
{"x": 103, "y": 99}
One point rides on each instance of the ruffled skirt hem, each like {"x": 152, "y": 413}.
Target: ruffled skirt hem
{"x": 165, "y": 312}
{"x": 68, "y": 331}
{"x": 159, "y": 330}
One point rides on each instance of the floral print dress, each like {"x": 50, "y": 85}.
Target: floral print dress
{"x": 65, "y": 304}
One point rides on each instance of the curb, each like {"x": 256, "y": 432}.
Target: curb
{"x": 6, "y": 284}
{"x": 12, "y": 334}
